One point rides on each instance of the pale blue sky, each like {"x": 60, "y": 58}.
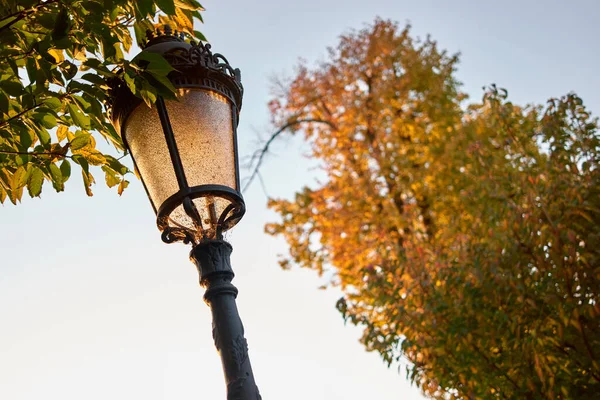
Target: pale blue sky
{"x": 93, "y": 305}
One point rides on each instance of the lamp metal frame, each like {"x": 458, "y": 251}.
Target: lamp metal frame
{"x": 196, "y": 67}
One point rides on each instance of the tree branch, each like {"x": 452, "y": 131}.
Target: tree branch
{"x": 16, "y": 116}
{"x": 25, "y": 111}
{"x": 33, "y": 154}
{"x": 259, "y": 155}
{"x": 24, "y": 13}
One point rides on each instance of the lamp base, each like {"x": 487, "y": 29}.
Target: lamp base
{"x": 212, "y": 258}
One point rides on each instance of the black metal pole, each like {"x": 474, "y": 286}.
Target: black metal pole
{"x": 212, "y": 258}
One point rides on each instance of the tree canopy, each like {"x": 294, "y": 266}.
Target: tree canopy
{"x": 465, "y": 236}
{"x": 55, "y": 58}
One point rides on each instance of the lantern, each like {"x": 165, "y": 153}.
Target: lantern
{"x": 185, "y": 150}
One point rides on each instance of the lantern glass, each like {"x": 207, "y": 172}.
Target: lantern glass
{"x": 146, "y": 141}
{"x": 203, "y": 128}
{"x": 202, "y": 125}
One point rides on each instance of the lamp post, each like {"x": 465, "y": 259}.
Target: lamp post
{"x": 186, "y": 153}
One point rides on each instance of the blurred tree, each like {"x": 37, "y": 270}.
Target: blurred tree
{"x": 54, "y": 58}
{"x": 466, "y": 238}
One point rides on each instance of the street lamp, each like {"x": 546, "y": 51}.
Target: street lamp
{"x": 186, "y": 153}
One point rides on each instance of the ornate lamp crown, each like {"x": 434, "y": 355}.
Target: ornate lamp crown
{"x": 184, "y": 56}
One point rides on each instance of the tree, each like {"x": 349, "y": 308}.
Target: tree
{"x": 465, "y": 237}
{"x": 55, "y": 60}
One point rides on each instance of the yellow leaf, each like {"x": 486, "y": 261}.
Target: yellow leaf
{"x": 61, "y": 132}
{"x": 92, "y": 156}
{"x": 183, "y": 21}
{"x": 57, "y": 54}
{"x": 122, "y": 186}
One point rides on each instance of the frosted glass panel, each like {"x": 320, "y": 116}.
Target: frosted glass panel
{"x": 146, "y": 139}
{"x": 203, "y": 128}
{"x": 179, "y": 219}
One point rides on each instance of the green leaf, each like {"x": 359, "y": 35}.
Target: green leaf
{"x": 41, "y": 78}
{"x": 118, "y": 56}
{"x": 82, "y": 103}
{"x": 148, "y": 94}
{"x": 13, "y": 65}
{"x": 130, "y": 81}
{"x": 81, "y": 140}
{"x": 54, "y": 103}
{"x": 79, "y": 118}
{"x": 95, "y": 79}
{"x": 46, "y": 120}
{"x": 164, "y": 86}
{"x": 3, "y": 103}
{"x": 44, "y": 137}
{"x": 61, "y": 26}
{"x": 7, "y": 21}
{"x": 22, "y": 159}
{"x": 57, "y": 180}
{"x": 99, "y": 67}
{"x": 79, "y": 159}
{"x": 31, "y": 68}
{"x": 116, "y": 165}
{"x": 200, "y": 36}
{"x": 198, "y": 15}
{"x": 65, "y": 169}
{"x": 12, "y": 88}
{"x": 145, "y": 7}
{"x": 36, "y": 180}
{"x": 68, "y": 69}
{"x": 168, "y": 6}
{"x": 96, "y": 9}
{"x": 25, "y": 139}
{"x": 156, "y": 63}
{"x": 47, "y": 20}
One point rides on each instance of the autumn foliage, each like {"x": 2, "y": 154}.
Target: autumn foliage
{"x": 465, "y": 237}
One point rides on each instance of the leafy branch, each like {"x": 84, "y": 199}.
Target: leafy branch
{"x": 31, "y": 108}
{"x": 22, "y": 14}
{"x": 37, "y": 154}
{"x": 77, "y": 45}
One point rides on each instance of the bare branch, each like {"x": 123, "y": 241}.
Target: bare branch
{"x": 259, "y": 155}
{"x": 262, "y": 184}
